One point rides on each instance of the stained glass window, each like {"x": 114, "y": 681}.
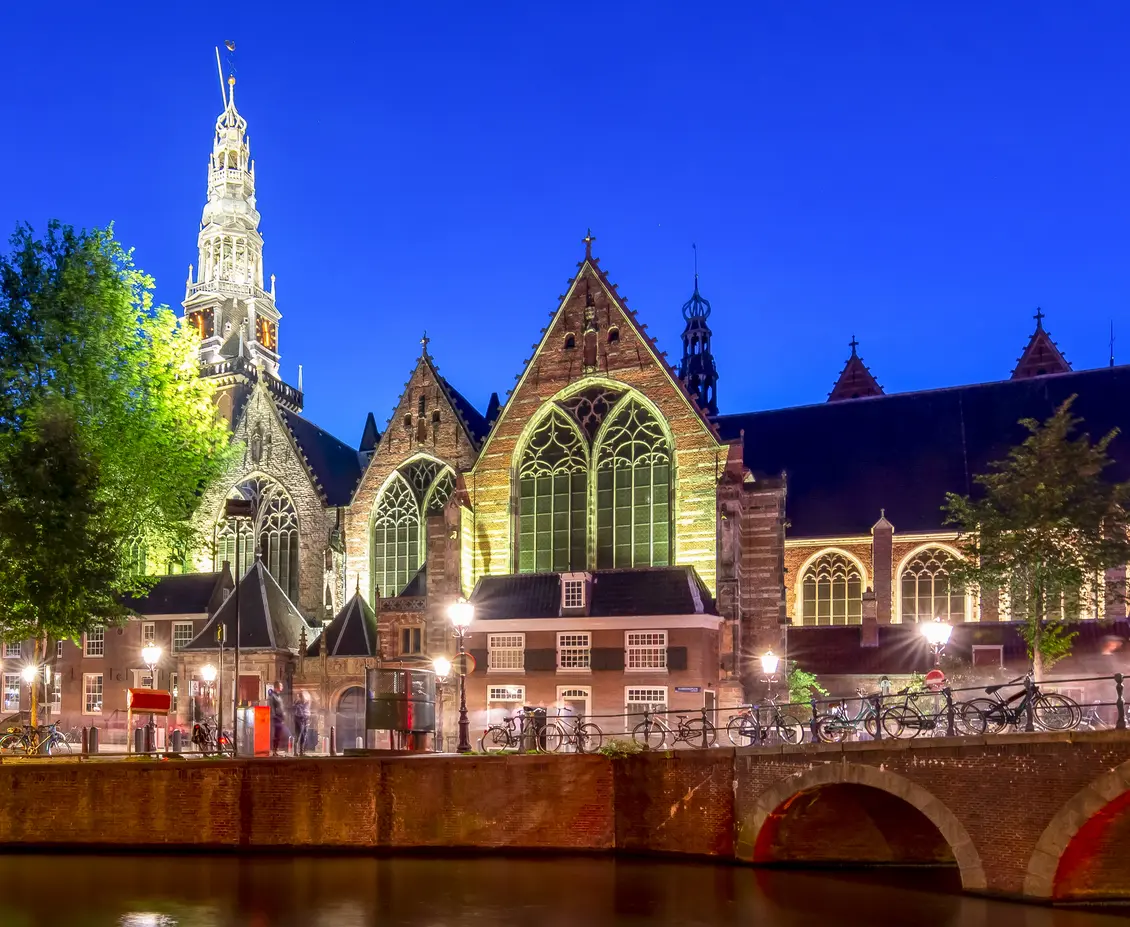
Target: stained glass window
{"x": 927, "y": 592}
{"x": 397, "y": 553}
{"x": 832, "y": 591}
{"x": 553, "y": 499}
{"x": 273, "y": 534}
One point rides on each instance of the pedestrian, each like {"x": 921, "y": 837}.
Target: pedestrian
{"x": 278, "y": 719}
{"x": 301, "y": 722}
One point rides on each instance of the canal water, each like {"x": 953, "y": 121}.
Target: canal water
{"x": 219, "y": 891}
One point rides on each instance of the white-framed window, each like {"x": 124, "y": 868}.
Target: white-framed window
{"x": 173, "y": 689}
{"x": 988, "y": 655}
{"x": 142, "y": 679}
{"x": 503, "y": 701}
{"x": 148, "y": 633}
{"x": 11, "y": 691}
{"x": 639, "y": 698}
{"x": 182, "y": 635}
{"x": 575, "y": 700}
{"x": 12, "y": 650}
{"x": 94, "y": 645}
{"x": 646, "y": 650}
{"x": 58, "y": 650}
{"x": 506, "y": 653}
{"x": 572, "y": 592}
{"x": 92, "y": 693}
{"x": 56, "y": 694}
{"x": 574, "y": 651}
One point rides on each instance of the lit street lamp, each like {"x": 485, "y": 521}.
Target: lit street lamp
{"x": 461, "y": 613}
{"x": 151, "y": 656}
{"x": 29, "y": 673}
{"x": 937, "y": 634}
{"x": 769, "y": 665}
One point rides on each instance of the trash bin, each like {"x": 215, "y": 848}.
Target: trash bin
{"x": 533, "y": 728}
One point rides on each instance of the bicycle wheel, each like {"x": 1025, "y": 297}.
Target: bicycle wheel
{"x": 11, "y": 742}
{"x": 650, "y": 735}
{"x": 698, "y": 732}
{"x": 495, "y": 739}
{"x": 871, "y": 726}
{"x": 1055, "y": 712}
{"x": 58, "y": 746}
{"x": 589, "y": 738}
{"x": 830, "y": 730}
{"x": 789, "y": 729}
{"x": 899, "y": 721}
{"x": 742, "y": 731}
{"x": 555, "y": 737}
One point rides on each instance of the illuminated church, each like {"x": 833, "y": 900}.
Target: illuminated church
{"x": 623, "y": 542}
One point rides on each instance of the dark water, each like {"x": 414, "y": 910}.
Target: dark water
{"x": 156, "y": 891}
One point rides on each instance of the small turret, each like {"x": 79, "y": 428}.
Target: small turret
{"x": 697, "y": 369}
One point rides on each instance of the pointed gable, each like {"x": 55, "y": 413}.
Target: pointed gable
{"x": 1042, "y": 356}
{"x": 268, "y": 620}
{"x": 856, "y": 380}
{"x": 352, "y": 633}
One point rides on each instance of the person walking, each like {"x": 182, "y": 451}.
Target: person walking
{"x": 301, "y": 722}
{"x": 278, "y": 719}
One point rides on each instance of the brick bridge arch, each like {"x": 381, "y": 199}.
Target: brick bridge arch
{"x": 1090, "y": 811}
{"x": 757, "y": 830}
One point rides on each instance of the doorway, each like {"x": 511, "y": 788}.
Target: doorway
{"x": 350, "y": 718}
{"x": 575, "y": 700}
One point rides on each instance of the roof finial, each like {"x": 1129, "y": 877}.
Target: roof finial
{"x": 1039, "y": 317}
{"x": 853, "y": 344}
{"x": 694, "y": 248}
{"x": 424, "y": 341}
{"x": 1112, "y": 342}
{"x": 588, "y": 240}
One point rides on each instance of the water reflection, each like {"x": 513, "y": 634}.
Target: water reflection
{"x": 154, "y": 891}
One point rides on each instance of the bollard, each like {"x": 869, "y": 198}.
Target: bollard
{"x": 950, "y": 731}
{"x": 92, "y": 742}
{"x": 1029, "y": 711}
{"x": 878, "y": 717}
{"x": 333, "y": 741}
{"x": 175, "y": 741}
{"x": 85, "y": 741}
{"x": 290, "y": 745}
{"x": 1119, "y": 724}
{"x": 139, "y": 740}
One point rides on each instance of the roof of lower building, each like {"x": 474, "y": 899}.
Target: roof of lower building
{"x": 334, "y": 464}
{"x": 268, "y": 620}
{"x": 477, "y": 425}
{"x": 676, "y": 590}
{"x": 352, "y": 633}
{"x": 181, "y": 594}
{"x": 847, "y": 461}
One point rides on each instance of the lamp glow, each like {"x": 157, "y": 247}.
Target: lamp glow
{"x": 29, "y": 673}
{"x": 937, "y": 632}
{"x": 442, "y": 667}
{"x": 151, "y": 655}
{"x": 461, "y": 613}
{"x": 769, "y": 663}
{"x": 208, "y": 673}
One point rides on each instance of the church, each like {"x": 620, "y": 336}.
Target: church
{"x": 624, "y": 544}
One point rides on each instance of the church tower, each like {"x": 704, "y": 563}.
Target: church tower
{"x": 697, "y": 369}
{"x": 226, "y": 300}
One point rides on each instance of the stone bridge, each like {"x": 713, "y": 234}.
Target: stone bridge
{"x": 1041, "y": 816}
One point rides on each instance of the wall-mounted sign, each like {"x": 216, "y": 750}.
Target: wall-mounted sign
{"x": 688, "y": 688}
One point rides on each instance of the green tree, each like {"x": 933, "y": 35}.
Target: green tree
{"x": 1044, "y": 525}
{"x": 82, "y": 343}
{"x": 803, "y": 687}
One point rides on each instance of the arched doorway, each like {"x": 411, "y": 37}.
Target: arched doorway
{"x": 845, "y": 813}
{"x": 350, "y": 718}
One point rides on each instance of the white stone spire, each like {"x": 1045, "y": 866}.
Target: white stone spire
{"x": 227, "y": 302}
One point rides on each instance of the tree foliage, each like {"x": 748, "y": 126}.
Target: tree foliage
{"x": 1043, "y": 527}
{"x": 803, "y": 687}
{"x": 107, "y": 431}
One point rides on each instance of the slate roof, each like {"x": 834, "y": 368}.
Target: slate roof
{"x": 845, "y": 461}
{"x": 674, "y": 590}
{"x": 267, "y": 618}
{"x": 335, "y": 465}
{"x": 476, "y": 423}
{"x": 183, "y": 594}
{"x": 352, "y": 633}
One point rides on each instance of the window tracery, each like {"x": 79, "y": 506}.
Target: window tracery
{"x": 927, "y": 590}
{"x": 832, "y": 591}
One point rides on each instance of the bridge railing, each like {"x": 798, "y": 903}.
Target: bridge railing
{"x": 1019, "y": 705}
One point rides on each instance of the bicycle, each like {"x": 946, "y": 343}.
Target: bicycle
{"x": 209, "y": 740}
{"x": 34, "y": 740}
{"x": 907, "y": 720}
{"x": 1093, "y": 719}
{"x": 564, "y": 731}
{"x": 836, "y": 726}
{"x": 1050, "y": 710}
{"x": 501, "y": 737}
{"x": 746, "y": 728}
{"x": 652, "y": 732}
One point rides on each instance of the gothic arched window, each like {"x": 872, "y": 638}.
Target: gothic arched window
{"x": 396, "y": 538}
{"x": 832, "y": 591}
{"x": 633, "y": 490}
{"x": 927, "y": 591}
{"x": 553, "y": 499}
{"x": 273, "y": 534}
{"x": 138, "y": 556}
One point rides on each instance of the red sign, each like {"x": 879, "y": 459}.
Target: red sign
{"x": 155, "y": 700}
{"x": 935, "y": 680}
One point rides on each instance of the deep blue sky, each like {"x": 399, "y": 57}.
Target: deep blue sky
{"x": 923, "y": 175}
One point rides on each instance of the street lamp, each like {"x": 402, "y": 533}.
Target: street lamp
{"x": 769, "y": 665}
{"x": 937, "y": 634}
{"x": 29, "y": 673}
{"x": 461, "y": 613}
{"x": 151, "y": 656}
{"x": 441, "y": 666}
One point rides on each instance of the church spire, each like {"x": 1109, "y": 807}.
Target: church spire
{"x": 1042, "y": 356}
{"x": 855, "y": 381}
{"x": 697, "y": 369}
{"x": 227, "y": 302}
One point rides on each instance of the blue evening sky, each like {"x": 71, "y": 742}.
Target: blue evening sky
{"x": 921, "y": 175}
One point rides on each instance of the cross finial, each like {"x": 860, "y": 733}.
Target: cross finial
{"x": 853, "y": 344}
{"x": 425, "y": 341}
{"x": 694, "y": 248}
{"x": 1039, "y": 317}
{"x": 588, "y": 240}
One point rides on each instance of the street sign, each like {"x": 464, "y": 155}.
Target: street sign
{"x": 463, "y": 664}
{"x": 688, "y": 688}
{"x": 935, "y": 680}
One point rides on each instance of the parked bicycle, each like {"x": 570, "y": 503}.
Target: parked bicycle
{"x": 208, "y": 739}
{"x": 1050, "y": 711}
{"x": 564, "y": 732}
{"x": 501, "y": 737}
{"x": 906, "y": 719}
{"x": 755, "y": 726}
{"x": 653, "y": 731}
{"x": 1093, "y": 719}
{"x": 837, "y": 725}
{"x": 45, "y": 739}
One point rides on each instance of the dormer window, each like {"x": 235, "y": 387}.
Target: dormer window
{"x": 574, "y": 592}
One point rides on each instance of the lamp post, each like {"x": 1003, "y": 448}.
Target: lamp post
{"x": 151, "y": 656}
{"x": 237, "y": 511}
{"x": 937, "y": 634}
{"x": 209, "y": 675}
{"x": 461, "y": 613}
{"x": 769, "y": 664}
{"x": 442, "y": 667}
